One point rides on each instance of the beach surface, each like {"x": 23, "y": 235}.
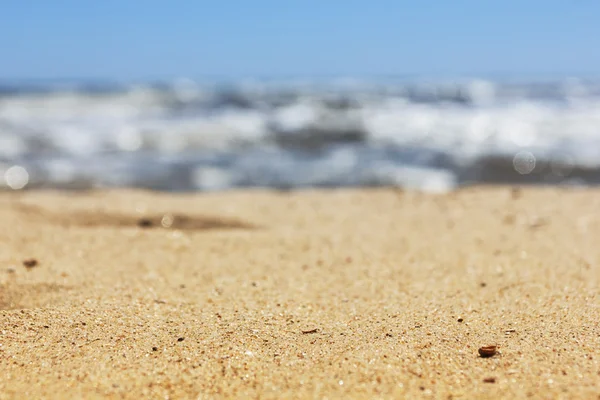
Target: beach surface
{"x": 370, "y": 293}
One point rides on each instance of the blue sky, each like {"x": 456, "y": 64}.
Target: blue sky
{"x": 149, "y": 39}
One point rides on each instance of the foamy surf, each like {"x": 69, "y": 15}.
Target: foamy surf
{"x": 189, "y": 136}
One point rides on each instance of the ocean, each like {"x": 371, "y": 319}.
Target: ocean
{"x": 186, "y": 135}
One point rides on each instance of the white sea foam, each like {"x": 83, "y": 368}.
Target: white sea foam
{"x": 193, "y": 136}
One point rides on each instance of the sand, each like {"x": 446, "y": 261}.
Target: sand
{"x": 315, "y": 294}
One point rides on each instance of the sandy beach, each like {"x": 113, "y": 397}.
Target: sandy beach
{"x": 371, "y": 293}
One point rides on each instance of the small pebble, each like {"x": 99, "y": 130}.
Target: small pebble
{"x": 30, "y": 263}
{"x": 144, "y": 223}
{"x": 488, "y": 351}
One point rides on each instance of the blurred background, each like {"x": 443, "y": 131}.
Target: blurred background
{"x": 203, "y": 95}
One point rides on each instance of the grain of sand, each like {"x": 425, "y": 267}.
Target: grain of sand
{"x": 315, "y": 294}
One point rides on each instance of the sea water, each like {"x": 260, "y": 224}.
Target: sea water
{"x": 191, "y": 135}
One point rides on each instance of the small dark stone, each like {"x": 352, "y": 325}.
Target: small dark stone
{"x": 144, "y": 223}
{"x": 180, "y": 339}
{"x": 155, "y": 348}
{"x": 489, "y": 380}
{"x": 460, "y": 320}
{"x": 30, "y": 263}
{"x": 487, "y": 351}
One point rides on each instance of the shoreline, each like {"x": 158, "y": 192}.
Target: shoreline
{"x": 354, "y": 293}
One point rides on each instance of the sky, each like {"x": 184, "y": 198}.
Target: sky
{"x": 152, "y": 39}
